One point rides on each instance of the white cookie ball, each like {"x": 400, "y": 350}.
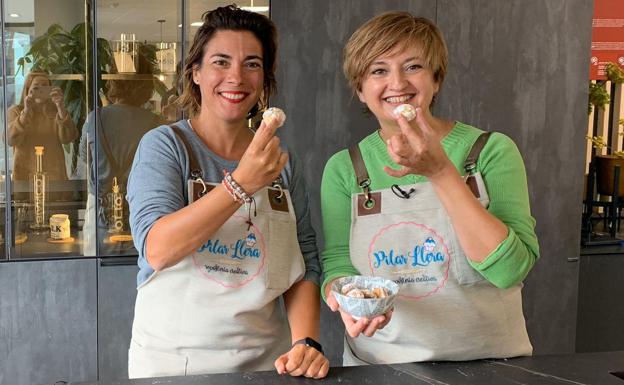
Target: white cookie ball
{"x": 407, "y": 110}
{"x": 274, "y": 113}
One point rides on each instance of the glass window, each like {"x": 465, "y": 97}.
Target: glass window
{"x": 73, "y": 124}
{"x": 46, "y": 96}
{"x": 138, "y": 58}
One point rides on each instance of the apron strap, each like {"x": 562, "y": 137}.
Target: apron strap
{"x": 470, "y": 164}
{"x": 196, "y": 171}
{"x": 361, "y": 173}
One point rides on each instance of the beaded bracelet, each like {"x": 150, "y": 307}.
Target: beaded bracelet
{"x": 236, "y": 189}
{"x": 229, "y": 190}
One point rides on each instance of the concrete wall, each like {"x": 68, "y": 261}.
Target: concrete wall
{"x": 518, "y": 67}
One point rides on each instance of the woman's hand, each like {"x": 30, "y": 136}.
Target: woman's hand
{"x": 302, "y": 360}
{"x": 56, "y": 95}
{"x": 28, "y": 101}
{"x": 360, "y": 326}
{"x": 263, "y": 160}
{"x": 417, "y": 149}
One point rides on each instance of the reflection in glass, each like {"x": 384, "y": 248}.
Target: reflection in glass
{"x": 139, "y": 55}
{"x": 139, "y": 89}
{"x": 39, "y": 119}
{"x": 39, "y": 192}
{"x": 46, "y": 62}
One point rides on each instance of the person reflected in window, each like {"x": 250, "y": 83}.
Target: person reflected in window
{"x": 121, "y": 125}
{"x": 40, "y": 119}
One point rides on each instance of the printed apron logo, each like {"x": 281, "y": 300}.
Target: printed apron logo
{"x": 233, "y": 257}
{"x": 412, "y": 255}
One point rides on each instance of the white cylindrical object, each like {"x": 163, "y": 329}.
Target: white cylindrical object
{"x": 407, "y": 110}
{"x": 275, "y": 113}
{"x": 59, "y": 226}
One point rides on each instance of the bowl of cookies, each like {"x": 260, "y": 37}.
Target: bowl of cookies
{"x": 363, "y": 296}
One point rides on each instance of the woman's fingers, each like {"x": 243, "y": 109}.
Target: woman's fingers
{"x": 264, "y": 134}
{"x": 422, "y": 123}
{"x": 317, "y": 367}
{"x": 388, "y": 317}
{"x": 331, "y": 302}
{"x": 298, "y": 360}
{"x": 397, "y": 173}
{"x": 303, "y": 360}
{"x": 353, "y": 327}
{"x": 280, "y": 363}
{"x": 374, "y": 325}
{"x": 323, "y": 370}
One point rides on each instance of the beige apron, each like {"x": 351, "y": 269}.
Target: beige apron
{"x": 218, "y": 309}
{"x": 445, "y": 310}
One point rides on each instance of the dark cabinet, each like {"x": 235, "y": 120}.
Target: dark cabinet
{"x": 600, "y": 310}
{"x": 116, "y": 292}
{"x": 48, "y": 329}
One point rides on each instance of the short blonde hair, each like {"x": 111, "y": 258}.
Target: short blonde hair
{"x": 386, "y": 32}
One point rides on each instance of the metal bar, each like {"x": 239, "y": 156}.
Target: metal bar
{"x": 614, "y": 201}
{"x": 95, "y": 95}
{"x": 118, "y": 261}
{"x": 8, "y": 231}
{"x": 616, "y": 103}
{"x": 612, "y": 129}
{"x": 183, "y": 48}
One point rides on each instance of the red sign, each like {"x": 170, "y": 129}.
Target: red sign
{"x": 607, "y": 37}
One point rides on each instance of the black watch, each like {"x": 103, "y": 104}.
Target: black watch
{"x": 309, "y": 342}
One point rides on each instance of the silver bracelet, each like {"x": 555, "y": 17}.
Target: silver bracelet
{"x": 236, "y": 188}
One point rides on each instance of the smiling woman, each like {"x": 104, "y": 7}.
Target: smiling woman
{"x": 458, "y": 244}
{"x": 220, "y": 218}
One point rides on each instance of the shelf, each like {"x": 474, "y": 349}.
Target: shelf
{"x": 80, "y": 77}
{"x": 129, "y": 76}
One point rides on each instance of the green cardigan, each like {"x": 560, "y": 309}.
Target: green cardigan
{"x": 502, "y": 168}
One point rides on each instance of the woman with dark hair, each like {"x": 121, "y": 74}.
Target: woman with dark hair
{"x": 40, "y": 119}
{"x": 220, "y": 217}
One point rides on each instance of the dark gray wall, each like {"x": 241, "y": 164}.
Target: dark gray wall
{"x": 116, "y": 294}
{"x": 47, "y": 322}
{"x": 518, "y": 67}
{"x": 521, "y": 67}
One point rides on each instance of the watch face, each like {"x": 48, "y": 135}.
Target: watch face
{"x": 310, "y": 342}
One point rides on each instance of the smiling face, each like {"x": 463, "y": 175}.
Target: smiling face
{"x": 398, "y": 77}
{"x": 230, "y": 77}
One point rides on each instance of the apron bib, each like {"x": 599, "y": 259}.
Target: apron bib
{"x": 218, "y": 309}
{"x": 445, "y": 309}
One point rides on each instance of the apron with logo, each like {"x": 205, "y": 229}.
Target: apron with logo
{"x": 218, "y": 309}
{"x": 445, "y": 309}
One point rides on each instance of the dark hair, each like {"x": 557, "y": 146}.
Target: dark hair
{"x": 135, "y": 92}
{"x": 234, "y": 19}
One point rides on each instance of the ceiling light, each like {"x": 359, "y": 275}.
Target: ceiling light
{"x": 193, "y": 24}
{"x": 14, "y": 14}
{"x": 256, "y": 9}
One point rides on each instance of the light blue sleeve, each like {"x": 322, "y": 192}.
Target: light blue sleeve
{"x": 88, "y": 133}
{"x": 155, "y": 188}
{"x": 305, "y": 232}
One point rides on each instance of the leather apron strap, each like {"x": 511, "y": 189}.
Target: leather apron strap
{"x": 196, "y": 171}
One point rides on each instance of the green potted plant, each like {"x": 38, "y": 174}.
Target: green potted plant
{"x": 605, "y": 163}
